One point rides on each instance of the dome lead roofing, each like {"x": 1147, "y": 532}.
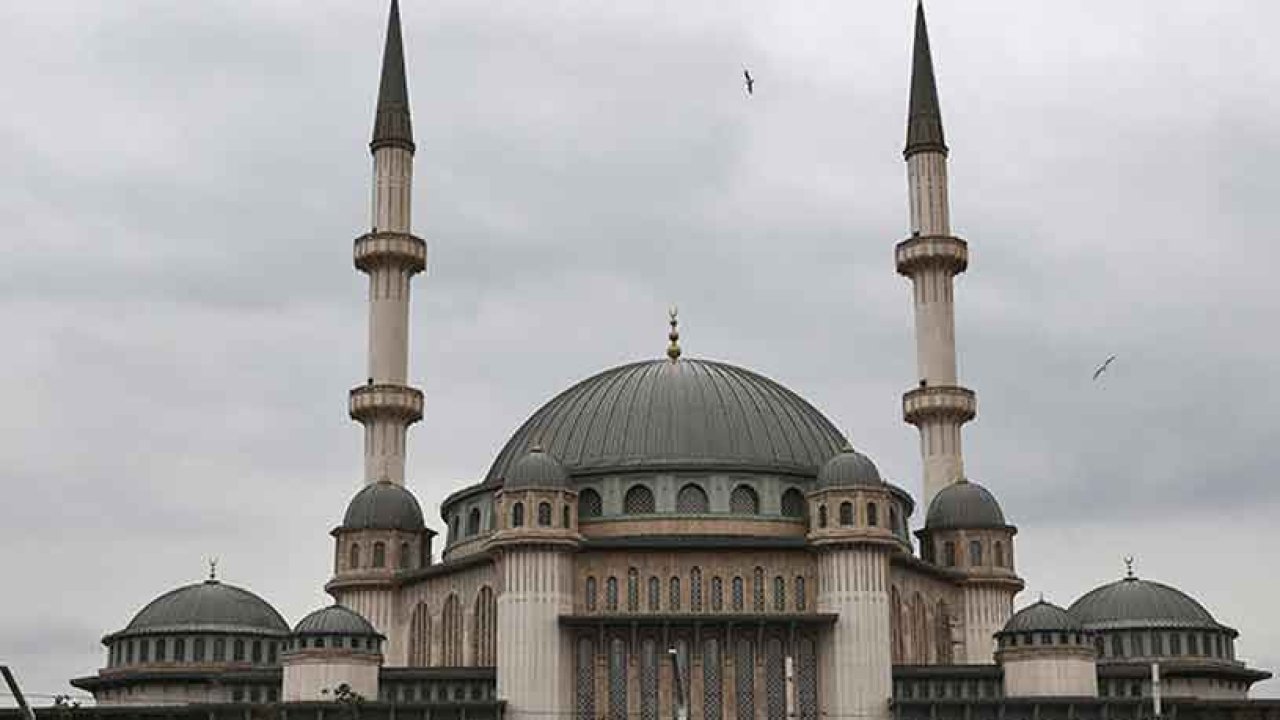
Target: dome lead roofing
{"x": 964, "y": 504}
{"x": 383, "y": 505}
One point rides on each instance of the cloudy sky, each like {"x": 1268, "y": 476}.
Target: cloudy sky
{"x": 181, "y": 183}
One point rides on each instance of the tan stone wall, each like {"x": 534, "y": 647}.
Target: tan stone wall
{"x": 925, "y": 617}
{"x": 312, "y": 675}
{"x": 428, "y": 598}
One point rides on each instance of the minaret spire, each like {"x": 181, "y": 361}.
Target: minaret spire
{"x": 924, "y": 116}
{"x": 938, "y": 406}
{"x": 392, "y": 124}
{"x": 391, "y": 255}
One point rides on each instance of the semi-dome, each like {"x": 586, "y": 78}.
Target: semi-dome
{"x": 676, "y": 415}
{"x": 334, "y": 620}
{"x": 210, "y": 606}
{"x": 849, "y": 468}
{"x": 964, "y": 504}
{"x": 1137, "y": 603}
{"x": 384, "y": 505}
{"x": 1041, "y": 616}
{"x": 536, "y": 469}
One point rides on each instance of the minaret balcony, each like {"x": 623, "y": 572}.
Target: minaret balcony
{"x": 940, "y": 401}
{"x": 386, "y": 400}
{"x": 390, "y": 249}
{"x": 932, "y": 251}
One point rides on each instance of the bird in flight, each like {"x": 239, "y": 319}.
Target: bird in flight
{"x": 749, "y": 81}
{"x": 1103, "y": 367}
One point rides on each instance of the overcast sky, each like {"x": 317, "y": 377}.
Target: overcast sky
{"x": 181, "y": 183}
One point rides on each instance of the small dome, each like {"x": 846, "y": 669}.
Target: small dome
{"x": 1042, "y": 616}
{"x": 964, "y": 504}
{"x": 334, "y": 620}
{"x": 536, "y": 469}
{"x": 1135, "y": 603}
{"x": 384, "y": 505}
{"x": 209, "y": 606}
{"x": 849, "y": 468}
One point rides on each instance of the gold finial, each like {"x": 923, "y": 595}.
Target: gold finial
{"x": 673, "y": 350}
{"x": 213, "y": 569}
{"x": 1128, "y": 565}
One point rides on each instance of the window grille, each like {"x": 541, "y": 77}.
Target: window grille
{"x": 586, "y": 679}
{"x": 744, "y": 666}
{"x": 692, "y": 500}
{"x": 611, "y": 594}
{"x": 655, "y": 594}
{"x": 673, "y": 596}
{"x": 695, "y": 590}
{"x": 744, "y": 501}
{"x": 633, "y": 591}
{"x": 712, "y": 681}
{"x": 544, "y": 514}
{"x": 638, "y": 501}
{"x": 779, "y": 594}
{"x": 517, "y": 515}
{"x": 975, "y": 553}
{"x": 737, "y": 594}
{"x": 648, "y": 679}
{"x": 589, "y": 504}
{"x": 806, "y": 669}
{"x": 757, "y": 590}
{"x": 591, "y": 594}
{"x": 775, "y": 679}
{"x": 717, "y": 594}
{"x": 793, "y": 504}
{"x": 618, "y": 679}
{"x": 802, "y": 599}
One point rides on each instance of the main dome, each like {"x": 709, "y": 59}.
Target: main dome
{"x": 1136, "y": 603}
{"x": 684, "y": 414}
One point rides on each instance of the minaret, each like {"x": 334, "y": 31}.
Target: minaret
{"x": 931, "y": 257}
{"x": 391, "y": 255}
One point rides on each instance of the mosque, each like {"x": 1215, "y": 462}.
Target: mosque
{"x": 678, "y": 537}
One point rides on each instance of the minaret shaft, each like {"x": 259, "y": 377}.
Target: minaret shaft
{"x": 391, "y": 255}
{"x": 931, "y": 258}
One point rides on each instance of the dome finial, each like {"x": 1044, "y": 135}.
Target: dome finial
{"x": 213, "y": 569}
{"x": 673, "y": 350}
{"x": 1128, "y": 565}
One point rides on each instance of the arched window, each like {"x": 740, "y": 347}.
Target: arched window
{"x": 564, "y": 519}
{"x": 846, "y": 513}
{"x": 757, "y": 590}
{"x": 451, "y": 629}
{"x": 517, "y": 515}
{"x": 744, "y": 501}
{"x": 237, "y": 650}
{"x": 591, "y": 594}
{"x": 405, "y": 557}
{"x": 544, "y": 514}
{"x": 793, "y": 504}
{"x": 999, "y": 552}
{"x": 692, "y": 500}
{"x": 895, "y": 523}
{"x": 420, "y": 636}
{"x": 611, "y": 594}
{"x": 160, "y": 650}
{"x": 589, "y": 504}
{"x": 197, "y": 650}
{"x": 633, "y": 590}
{"x": 975, "y": 553}
{"x": 585, "y": 678}
{"x": 822, "y": 516}
{"x": 353, "y": 559}
{"x": 484, "y": 638}
{"x": 717, "y": 594}
{"x": 949, "y": 554}
{"x": 638, "y": 501}
{"x": 802, "y": 598}
{"x": 737, "y": 594}
{"x": 927, "y": 549}
{"x": 473, "y": 522}
{"x": 673, "y": 595}
{"x": 655, "y": 594}
{"x": 379, "y": 554}
{"x": 695, "y": 590}
{"x": 180, "y": 650}
{"x": 454, "y": 523}
{"x": 873, "y": 515}
{"x": 779, "y": 594}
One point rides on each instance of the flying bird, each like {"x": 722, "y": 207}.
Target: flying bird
{"x": 749, "y": 81}
{"x": 1103, "y": 367}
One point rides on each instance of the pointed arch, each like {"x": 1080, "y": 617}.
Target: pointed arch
{"x": 420, "y": 636}
{"x": 451, "y": 632}
{"x": 484, "y": 636}
{"x": 895, "y": 625}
